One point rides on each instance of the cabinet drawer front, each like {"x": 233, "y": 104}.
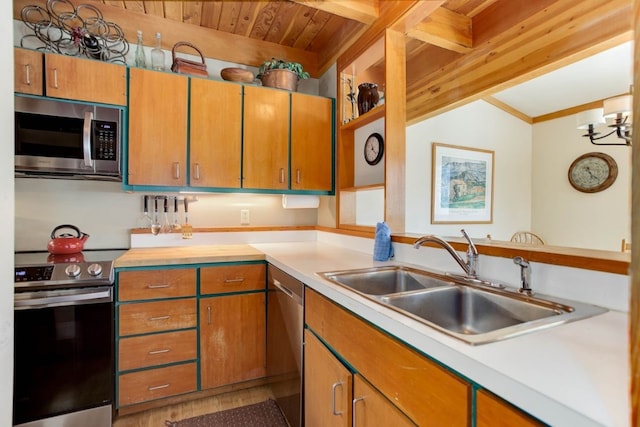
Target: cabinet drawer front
{"x": 159, "y": 349}
{"x": 138, "y": 387}
{"x": 152, "y": 284}
{"x": 157, "y": 316}
{"x": 232, "y": 278}
{"x": 426, "y": 392}
{"x": 491, "y": 411}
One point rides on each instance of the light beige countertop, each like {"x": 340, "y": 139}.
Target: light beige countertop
{"x": 140, "y": 257}
{"x": 576, "y": 374}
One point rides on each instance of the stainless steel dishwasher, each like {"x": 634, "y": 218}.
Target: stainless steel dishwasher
{"x": 284, "y": 342}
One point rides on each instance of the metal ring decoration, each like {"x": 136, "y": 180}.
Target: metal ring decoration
{"x": 74, "y": 31}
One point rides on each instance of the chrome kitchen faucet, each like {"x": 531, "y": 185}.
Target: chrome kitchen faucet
{"x": 469, "y": 266}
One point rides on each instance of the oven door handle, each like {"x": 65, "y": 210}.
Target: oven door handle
{"x": 45, "y": 299}
{"x": 86, "y": 139}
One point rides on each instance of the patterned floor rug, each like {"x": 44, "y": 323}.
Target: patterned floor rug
{"x": 263, "y": 414}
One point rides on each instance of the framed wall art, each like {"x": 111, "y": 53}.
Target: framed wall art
{"x": 461, "y": 185}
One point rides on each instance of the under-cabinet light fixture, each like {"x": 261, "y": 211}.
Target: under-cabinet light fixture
{"x": 617, "y": 112}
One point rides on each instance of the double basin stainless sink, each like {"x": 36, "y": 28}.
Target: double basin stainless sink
{"x": 471, "y": 310}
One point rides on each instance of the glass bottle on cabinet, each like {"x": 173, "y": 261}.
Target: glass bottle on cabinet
{"x": 140, "y": 58}
{"x": 157, "y": 54}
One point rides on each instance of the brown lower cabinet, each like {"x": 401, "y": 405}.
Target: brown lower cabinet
{"x": 426, "y": 392}
{"x": 336, "y": 397}
{"x": 492, "y": 411}
{"x": 172, "y": 332}
{"x": 232, "y": 339}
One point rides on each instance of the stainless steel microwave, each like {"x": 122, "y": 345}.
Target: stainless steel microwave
{"x": 67, "y": 140}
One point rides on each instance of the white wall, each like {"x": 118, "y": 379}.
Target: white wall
{"x": 565, "y": 216}
{"x": 6, "y": 217}
{"x": 106, "y": 213}
{"x": 478, "y": 125}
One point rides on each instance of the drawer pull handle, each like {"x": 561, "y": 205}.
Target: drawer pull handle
{"x": 158, "y": 387}
{"x": 297, "y": 176}
{"x": 164, "y": 285}
{"x": 164, "y": 350}
{"x": 353, "y": 408}
{"x": 27, "y": 69}
{"x": 196, "y": 174}
{"x": 55, "y": 78}
{"x": 208, "y": 315}
{"x": 281, "y": 175}
{"x": 238, "y": 280}
{"x": 176, "y": 170}
{"x": 333, "y": 398}
{"x": 159, "y": 318}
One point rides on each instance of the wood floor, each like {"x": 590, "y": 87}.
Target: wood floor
{"x": 157, "y": 417}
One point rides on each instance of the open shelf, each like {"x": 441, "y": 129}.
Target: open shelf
{"x": 368, "y": 117}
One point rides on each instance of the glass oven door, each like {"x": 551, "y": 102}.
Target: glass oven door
{"x": 64, "y": 359}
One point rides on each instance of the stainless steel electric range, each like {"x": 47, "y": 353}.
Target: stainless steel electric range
{"x": 64, "y": 339}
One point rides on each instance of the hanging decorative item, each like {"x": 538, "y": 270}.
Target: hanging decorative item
{"x": 76, "y": 31}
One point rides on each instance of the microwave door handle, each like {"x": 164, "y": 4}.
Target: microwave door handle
{"x": 86, "y": 139}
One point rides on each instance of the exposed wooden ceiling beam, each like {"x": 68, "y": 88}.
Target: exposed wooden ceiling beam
{"x": 445, "y": 29}
{"x": 364, "y": 11}
{"x": 527, "y": 47}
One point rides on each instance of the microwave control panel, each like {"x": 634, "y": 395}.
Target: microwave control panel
{"x": 105, "y": 140}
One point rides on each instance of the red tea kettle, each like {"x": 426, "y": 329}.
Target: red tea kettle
{"x": 66, "y": 243}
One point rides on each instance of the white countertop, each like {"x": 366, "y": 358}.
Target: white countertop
{"x": 576, "y": 374}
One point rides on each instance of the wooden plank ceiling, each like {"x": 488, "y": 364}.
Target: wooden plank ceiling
{"x": 457, "y": 50}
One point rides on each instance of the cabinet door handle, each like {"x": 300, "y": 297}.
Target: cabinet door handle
{"x": 281, "y": 175}
{"x": 27, "y": 72}
{"x": 208, "y": 315}
{"x": 333, "y": 398}
{"x": 353, "y": 408}
{"x": 176, "y": 170}
{"x": 55, "y": 78}
{"x": 159, "y": 318}
{"x": 158, "y": 286}
{"x": 164, "y": 350}
{"x": 158, "y": 387}
{"x": 196, "y": 172}
{"x": 237, "y": 280}
{"x": 297, "y": 176}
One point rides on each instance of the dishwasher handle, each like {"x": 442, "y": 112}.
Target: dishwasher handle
{"x": 297, "y": 298}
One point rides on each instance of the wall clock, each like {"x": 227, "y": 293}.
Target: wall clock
{"x": 374, "y": 148}
{"x": 593, "y": 172}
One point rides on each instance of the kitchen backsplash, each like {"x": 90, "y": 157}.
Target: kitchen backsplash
{"x": 107, "y": 213}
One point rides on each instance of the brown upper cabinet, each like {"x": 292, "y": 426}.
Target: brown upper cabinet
{"x": 266, "y": 139}
{"x": 157, "y": 128}
{"x": 311, "y": 153}
{"x": 28, "y": 66}
{"x": 61, "y": 76}
{"x": 215, "y": 134}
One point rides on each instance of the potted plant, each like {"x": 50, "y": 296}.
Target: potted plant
{"x": 281, "y": 74}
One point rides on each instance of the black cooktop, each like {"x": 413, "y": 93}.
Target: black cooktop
{"x": 42, "y": 270}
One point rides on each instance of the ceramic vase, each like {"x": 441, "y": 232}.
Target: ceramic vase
{"x": 367, "y": 97}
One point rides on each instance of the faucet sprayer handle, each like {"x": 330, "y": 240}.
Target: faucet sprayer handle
{"x": 472, "y": 247}
{"x": 525, "y": 275}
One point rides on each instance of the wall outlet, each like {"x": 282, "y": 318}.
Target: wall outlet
{"x": 244, "y": 217}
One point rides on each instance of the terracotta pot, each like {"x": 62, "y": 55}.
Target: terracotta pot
{"x": 281, "y": 79}
{"x": 368, "y": 97}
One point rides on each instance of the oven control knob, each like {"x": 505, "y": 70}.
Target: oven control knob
{"x": 73, "y": 270}
{"x": 94, "y": 269}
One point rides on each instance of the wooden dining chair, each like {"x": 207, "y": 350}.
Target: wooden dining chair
{"x": 527, "y": 237}
{"x": 626, "y": 246}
